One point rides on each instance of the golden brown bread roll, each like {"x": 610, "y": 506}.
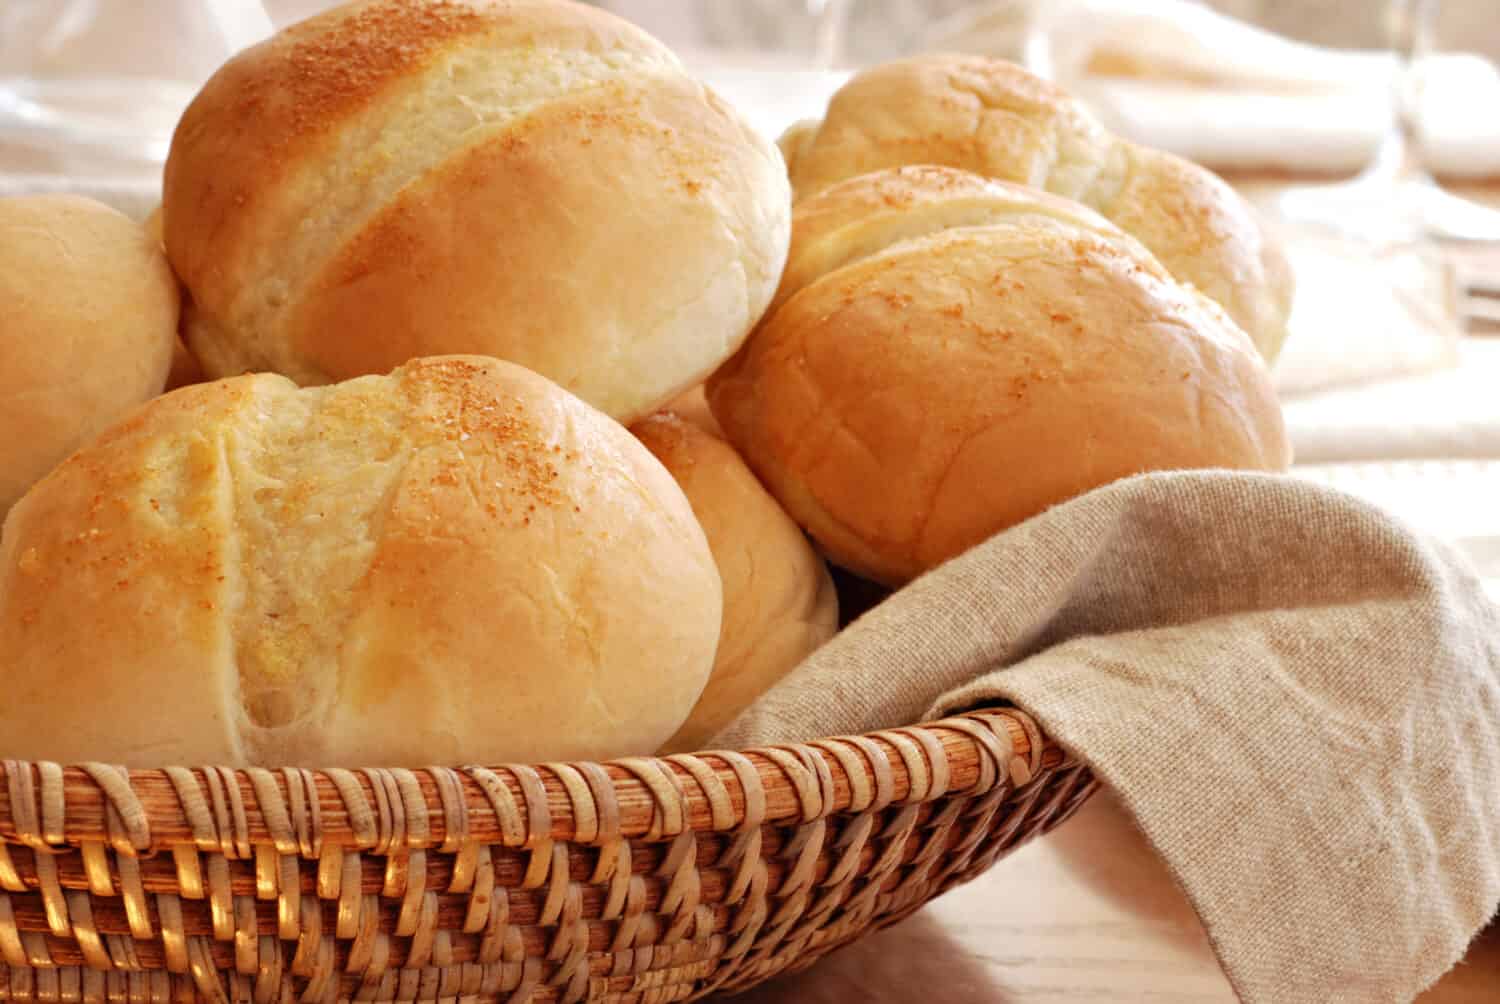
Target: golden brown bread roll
{"x": 458, "y": 562}
{"x": 86, "y": 329}
{"x": 779, "y": 600}
{"x": 996, "y": 119}
{"x": 950, "y": 355}
{"x": 534, "y": 180}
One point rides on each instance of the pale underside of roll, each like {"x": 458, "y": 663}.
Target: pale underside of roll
{"x": 779, "y": 600}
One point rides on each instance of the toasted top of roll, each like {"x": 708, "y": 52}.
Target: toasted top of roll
{"x": 951, "y": 355}
{"x": 995, "y": 119}
{"x": 456, "y": 563}
{"x": 535, "y": 180}
{"x": 86, "y": 330}
{"x": 779, "y": 600}
{"x": 864, "y": 217}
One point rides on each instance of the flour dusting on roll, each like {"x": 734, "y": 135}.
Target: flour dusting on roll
{"x": 535, "y": 180}
{"x": 459, "y": 562}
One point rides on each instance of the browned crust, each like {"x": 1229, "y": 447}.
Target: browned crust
{"x": 490, "y": 252}
{"x": 908, "y": 405}
{"x": 996, "y": 119}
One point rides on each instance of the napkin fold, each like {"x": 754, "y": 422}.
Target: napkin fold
{"x": 1297, "y": 697}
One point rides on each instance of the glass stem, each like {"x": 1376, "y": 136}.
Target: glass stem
{"x": 1410, "y": 30}
{"x": 829, "y": 44}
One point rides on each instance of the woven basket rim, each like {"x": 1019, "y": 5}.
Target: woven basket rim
{"x": 637, "y": 880}
{"x": 48, "y": 806}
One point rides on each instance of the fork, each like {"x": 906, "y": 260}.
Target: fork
{"x": 1478, "y": 278}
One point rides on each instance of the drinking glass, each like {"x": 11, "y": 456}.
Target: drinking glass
{"x": 1395, "y": 198}
{"x": 1376, "y": 296}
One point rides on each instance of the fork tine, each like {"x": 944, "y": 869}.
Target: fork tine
{"x": 1482, "y": 312}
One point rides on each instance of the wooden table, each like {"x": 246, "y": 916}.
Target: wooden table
{"x": 1086, "y": 914}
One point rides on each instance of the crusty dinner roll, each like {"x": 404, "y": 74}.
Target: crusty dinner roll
{"x": 86, "y": 329}
{"x": 779, "y": 601}
{"x": 532, "y": 179}
{"x": 950, "y": 355}
{"x": 996, "y": 119}
{"x": 458, "y": 562}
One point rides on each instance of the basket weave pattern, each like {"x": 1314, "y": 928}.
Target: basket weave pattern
{"x": 641, "y": 880}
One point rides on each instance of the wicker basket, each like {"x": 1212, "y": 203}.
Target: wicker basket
{"x": 642, "y": 880}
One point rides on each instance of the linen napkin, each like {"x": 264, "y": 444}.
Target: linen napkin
{"x": 1297, "y": 698}
{"x": 1450, "y": 498}
{"x": 1444, "y": 414}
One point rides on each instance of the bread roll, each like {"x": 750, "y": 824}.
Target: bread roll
{"x": 693, "y": 407}
{"x": 185, "y": 369}
{"x": 995, "y": 119}
{"x": 779, "y": 601}
{"x": 459, "y": 562}
{"x": 152, "y": 225}
{"x": 950, "y": 355}
{"x": 534, "y": 180}
{"x": 86, "y": 330}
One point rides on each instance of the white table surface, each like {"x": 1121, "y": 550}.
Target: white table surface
{"x": 1425, "y": 447}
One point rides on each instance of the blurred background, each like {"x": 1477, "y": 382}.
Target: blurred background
{"x": 884, "y": 29}
{"x": 881, "y": 29}
{"x": 95, "y": 86}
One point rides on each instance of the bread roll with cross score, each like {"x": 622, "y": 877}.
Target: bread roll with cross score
{"x": 535, "y": 180}
{"x": 458, "y": 562}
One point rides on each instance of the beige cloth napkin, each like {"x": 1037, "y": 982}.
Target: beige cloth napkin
{"x": 1297, "y": 698}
